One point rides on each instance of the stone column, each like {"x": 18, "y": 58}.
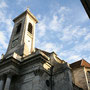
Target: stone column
{"x": 8, "y": 81}
{"x": 1, "y": 82}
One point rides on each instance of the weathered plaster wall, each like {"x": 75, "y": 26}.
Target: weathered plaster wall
{"x": 79, "y": 78}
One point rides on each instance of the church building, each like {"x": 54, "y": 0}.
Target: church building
{"x": 25, "y": 67}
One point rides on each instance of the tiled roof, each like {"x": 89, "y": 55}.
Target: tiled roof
{"x": 80, "y": 63}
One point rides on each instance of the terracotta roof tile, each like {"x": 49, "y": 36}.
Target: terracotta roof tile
{"x": 85, "y": 63}
{"x": 80, "y": 63}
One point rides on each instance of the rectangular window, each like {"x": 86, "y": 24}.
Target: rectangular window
{"x": 18, "y": 28}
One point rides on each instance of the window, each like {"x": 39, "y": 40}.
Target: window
{"x": 30, "y": 28}
{"x": 18, "y": 28}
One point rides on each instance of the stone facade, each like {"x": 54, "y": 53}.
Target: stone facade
{"x": 35, "y": 72}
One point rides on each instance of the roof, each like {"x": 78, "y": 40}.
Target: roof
{"x": 80, "y": 63}
{"x": 27, "y": 11}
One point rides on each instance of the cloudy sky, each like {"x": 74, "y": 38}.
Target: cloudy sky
{"x": 63, "y": 27}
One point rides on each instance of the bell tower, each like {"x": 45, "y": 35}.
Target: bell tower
{"x": 22, "y": 40}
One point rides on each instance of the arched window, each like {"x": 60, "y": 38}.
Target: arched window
{"x": 30, "y": 28}
{"x": 18, "y": 28}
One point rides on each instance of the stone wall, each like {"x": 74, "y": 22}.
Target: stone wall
{"x": 63, "y": 81}
{"x": 31, "y": 78}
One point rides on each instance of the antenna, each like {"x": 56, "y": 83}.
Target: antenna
{"x": 27, "y": 5}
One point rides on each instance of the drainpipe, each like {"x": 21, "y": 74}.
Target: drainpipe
{"x": 51, "y": 77}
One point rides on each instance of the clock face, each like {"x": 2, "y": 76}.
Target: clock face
{"x": 14, "y": 43}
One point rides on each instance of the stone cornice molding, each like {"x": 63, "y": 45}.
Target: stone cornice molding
{"x": 9, "y": 65}
{"x": 37, "y": 53}
{"x": 24, "y": 13}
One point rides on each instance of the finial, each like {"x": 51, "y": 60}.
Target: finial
{"x": 28, "y": 7}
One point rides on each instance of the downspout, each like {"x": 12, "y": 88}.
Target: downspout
{"x": 51, "y": 77}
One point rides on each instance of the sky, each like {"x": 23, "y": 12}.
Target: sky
{"x": 63, "y": 26}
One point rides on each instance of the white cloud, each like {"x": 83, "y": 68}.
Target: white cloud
{"x": 41, "y": 27}
{"x": 56, "y": 22}
{"x": 3, "y": 40}
{"x": 87, "y": 37}
{"x": 9, "y": 24}
{"x": 49, "y": 46}
{"x": 63, "y": 9}
{"x": 5, "y": 26}
{"x": 73, "y": 33}
{"x": 3, "y": 4}
{"x": 4, "y": 18}
{"x": 70, "y": 56}
{"x": 82, "y": 47}
{"x": 58, "y": 19}
{"x": 87, "y": 58}
{"x": 74, "y": 57}
{"x": 52, "y": 47}
{"x": 51, "y": 23}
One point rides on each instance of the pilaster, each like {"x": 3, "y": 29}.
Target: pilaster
{"x": 2, "y": 79}
{"x": 8, "y": 81}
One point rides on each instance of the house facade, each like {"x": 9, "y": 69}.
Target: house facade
{"x": 81, "y": 74}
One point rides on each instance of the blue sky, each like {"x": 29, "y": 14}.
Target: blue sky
{"x": 63, "y": 26}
